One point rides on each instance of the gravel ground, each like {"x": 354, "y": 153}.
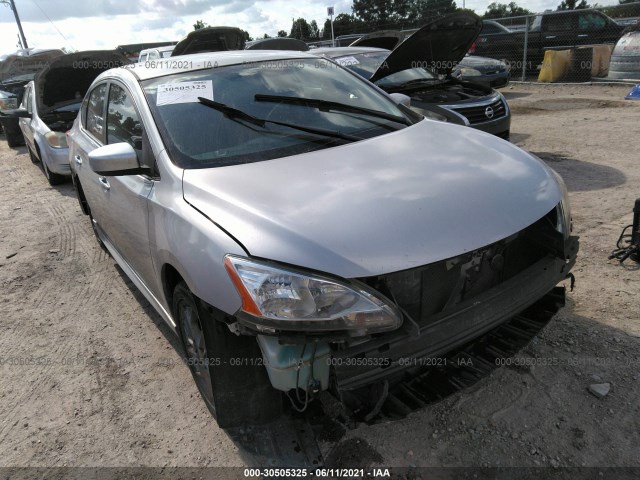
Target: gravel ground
{"x": 90, "y": 376}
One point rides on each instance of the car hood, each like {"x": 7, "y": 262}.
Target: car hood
{"x": 422, "y": 194}
{"x": 387, "y": 39}
{"x": 439, "y": 45}
{"x": 68, "y": 78}
{"x": 210, "y": 39}
{"x": 22, "y": 64}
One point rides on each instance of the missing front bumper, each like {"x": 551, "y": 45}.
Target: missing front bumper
{"x": 393, "y": 354}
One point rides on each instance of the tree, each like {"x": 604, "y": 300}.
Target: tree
{"x": 425, "y": 11}
{"x": 382, "y": 14}
{"x": 300, "y": 29}
{"x": 344, "y": 24}
{"x": 501, "y": 10}
{"x": 573, "y": 5}
{"x": 314, "y": 32}
{"x": 199, "y": 24}
{"x": 247, "y": 37}
{"x": 282, "y": 33}
{"x": 266, "y": 35}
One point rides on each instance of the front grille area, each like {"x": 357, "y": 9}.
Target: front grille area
{"x": 478, "y": 114}
{"x": 429, "y": 290}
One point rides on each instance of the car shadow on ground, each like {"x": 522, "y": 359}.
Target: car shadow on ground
{"x": 288, "y": 441}
{"x": 513, "y": 95}
{"x": 581, "y": 176}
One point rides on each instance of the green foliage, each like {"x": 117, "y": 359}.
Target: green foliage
{"x": 573, "y": 5}
{"x": 344, "y": 24}
{"x": 502, "y": 10}
{"x": 199, "y": 24}
{"x": 300, "y": 29}
{"x": 425, "y": 11}
{"x": 383, "y": 14}
{"x": 314, "y": 32}
{"x": 282, "y": 33}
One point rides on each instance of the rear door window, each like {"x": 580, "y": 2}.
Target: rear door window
{"x": 590, "y": 21}
{"x": 563, "y": 22}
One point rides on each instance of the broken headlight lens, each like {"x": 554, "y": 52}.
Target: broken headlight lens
{"x": 278, "y": 298}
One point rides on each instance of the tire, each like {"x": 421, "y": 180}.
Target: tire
{"x": 13, "y": 139}
{"x": 236, "y": 392}
{"x": 53, "y": 178}
{"x": 32, "y": 156}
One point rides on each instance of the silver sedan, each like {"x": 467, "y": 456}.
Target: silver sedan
{"x": 300, "y": 231}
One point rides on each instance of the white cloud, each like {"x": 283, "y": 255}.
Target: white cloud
{"x": 108, "y": 23}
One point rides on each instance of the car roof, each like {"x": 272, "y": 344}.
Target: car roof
{"x": 202, "y": 61}
{"x": 334, "y": 52}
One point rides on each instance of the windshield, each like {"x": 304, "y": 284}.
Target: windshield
{"x": 198, "y": 136}
{"x": 366, "y": 64}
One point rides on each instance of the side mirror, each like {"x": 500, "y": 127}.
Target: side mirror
{"x": 114, "y": 160}
{"x": 401, "y": 99}
{"x": 16, "y": 113}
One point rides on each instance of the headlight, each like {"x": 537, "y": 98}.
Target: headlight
{"x": 283, "y": 299}
{"x": 564, "y": 212}
{"x": 56, "y": 139}
{"x": 563, "y": 209}
{"x": 470, "y": 72}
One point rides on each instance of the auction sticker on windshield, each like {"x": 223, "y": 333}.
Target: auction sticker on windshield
{"x": 184, "y": 92}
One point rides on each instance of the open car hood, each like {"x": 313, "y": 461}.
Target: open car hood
{"x": 387, "y": 39}
{"x": 210, "y": 39}
{"x": 16, "y": 65}
{"x": 68, "y": 77}
{"x": 439, "y": 45}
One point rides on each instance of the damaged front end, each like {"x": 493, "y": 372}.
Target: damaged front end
{"x": 444, "y": 306}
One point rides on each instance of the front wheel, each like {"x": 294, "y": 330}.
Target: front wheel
{"x": 236, "y": 390}
{"x": 53, "y": 178}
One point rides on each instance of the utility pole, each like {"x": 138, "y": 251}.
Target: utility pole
{"x": 12, "y": 5}
{"x": 330, "y": 13}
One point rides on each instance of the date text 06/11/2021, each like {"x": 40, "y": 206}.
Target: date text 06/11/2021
{"x": 317, "y": 472}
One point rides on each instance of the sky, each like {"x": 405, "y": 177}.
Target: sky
{"x": 104, "y": 24}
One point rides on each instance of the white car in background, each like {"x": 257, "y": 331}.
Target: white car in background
{"x": 51, "y": 102}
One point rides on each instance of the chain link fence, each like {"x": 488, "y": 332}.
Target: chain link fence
{"x": 582, "y": 41}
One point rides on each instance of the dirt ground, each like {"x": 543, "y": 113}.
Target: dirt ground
{"x": 90, "y": 376}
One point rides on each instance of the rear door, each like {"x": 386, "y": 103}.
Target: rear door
{"x": 593, "y": 28}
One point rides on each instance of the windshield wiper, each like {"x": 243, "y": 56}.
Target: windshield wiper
{"x": 235, "y": 113}
{"x": 326, "y": 105}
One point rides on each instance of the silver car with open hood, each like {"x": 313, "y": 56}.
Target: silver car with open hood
{"x": 300, "y": 231}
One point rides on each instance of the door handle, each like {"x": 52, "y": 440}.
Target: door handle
{"x": 550, "y": 37}
{"x": 104, "y": 182}
{"x": 78, "y": 159}
{"x": 582, "y": 35}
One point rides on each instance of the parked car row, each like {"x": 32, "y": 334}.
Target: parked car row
{"x": 421, "y": 67}
{"x": 295, "y": 224}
